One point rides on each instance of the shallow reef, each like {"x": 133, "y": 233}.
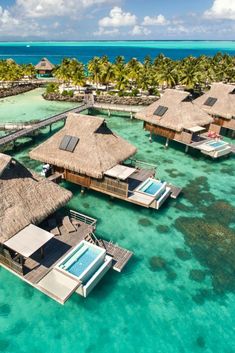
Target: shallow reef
{"x": 182, "y": 254}
{"x": 174, "y": 173}
{"x": 197, "y": 275}
{"x": 162, "y": 228}
{"x": 145, "y": 222}
{"x": 213, "y": 245}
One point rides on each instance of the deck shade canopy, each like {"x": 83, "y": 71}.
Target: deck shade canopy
{"x": 29, "y": 240}
{"x": 196, "y": 128}
{"x": 210, "y": 101}
{"x": 161, "y": 110}
{"x": 69, "y": 143}
{"x": 120, "y": 172}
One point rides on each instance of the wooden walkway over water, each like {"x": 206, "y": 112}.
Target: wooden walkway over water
{"x": 40, "y": 125}
{"x": 132, "y": 109}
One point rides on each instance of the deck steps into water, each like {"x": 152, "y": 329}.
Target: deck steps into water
{"x": 175, "y": 191}
{"x": 120, "y": 255}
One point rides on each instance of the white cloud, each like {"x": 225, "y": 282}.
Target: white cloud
{"x": 221, "y": 9}
{"x": 7, "y": 20}
{"x": 159, "y": 20}
{"x": 118, "y": 18}
{"x": 139, "y": 31}
{"x": 178, "y": 29}
{"x": 51, "y": 8}
{"x": 106, "y": 32}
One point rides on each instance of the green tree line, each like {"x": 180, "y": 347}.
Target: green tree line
{"x": 193, "y": 73}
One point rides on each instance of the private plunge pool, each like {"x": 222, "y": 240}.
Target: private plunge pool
{"x": 217, "y": 144}
{"x": 83, "y": 261}
{"x": 152, "y": 187}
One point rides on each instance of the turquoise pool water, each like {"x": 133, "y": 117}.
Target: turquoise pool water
{"x": 152, "y": 187}
{"x": 81, "y": 264}
{"x": 217, "y": 143}
{"x": 177, "y": 295}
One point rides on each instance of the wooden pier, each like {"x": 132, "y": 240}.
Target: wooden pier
{"x": 11, "y": 138}
{"x": 132, "y": 110}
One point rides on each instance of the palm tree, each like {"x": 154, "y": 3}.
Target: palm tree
{"x": 95, "y": 69}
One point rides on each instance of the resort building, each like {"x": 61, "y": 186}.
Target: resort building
{"x": 175, "y": 117}
{"x": 219, "y": 102}
{"x": 86, "y": 152}
{"x": 44, "y": 68}
{"x": 53, "y": 250}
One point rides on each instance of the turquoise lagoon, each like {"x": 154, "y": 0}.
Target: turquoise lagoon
{"x": 31, "y": 52}
{"x": 177, "y": 295}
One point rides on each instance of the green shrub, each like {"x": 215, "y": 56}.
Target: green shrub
{"x": 52, "y": 88}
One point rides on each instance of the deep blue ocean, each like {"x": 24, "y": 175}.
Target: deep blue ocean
{"x": 31, "y": 52}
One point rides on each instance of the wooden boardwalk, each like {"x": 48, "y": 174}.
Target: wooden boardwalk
{"x": 43, "y": 123}
{"x": 117, "y": 107}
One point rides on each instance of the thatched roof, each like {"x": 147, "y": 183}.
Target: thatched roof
{"x": 44, "y": 64}
{"x": 225, "y": 103}
{"x": 4, "y": 162}
{"x": 181, "y": 112}
{"x": 26, "y": 198}
{"x": 98, "y": 148}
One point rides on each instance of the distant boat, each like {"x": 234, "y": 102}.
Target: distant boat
{"x": 28, "y": 46}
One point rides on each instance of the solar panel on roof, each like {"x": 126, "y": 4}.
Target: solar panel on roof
{"x": 68, "y": 143}
{"x": 72, "y": 144}
{"x": 64, "y": 143}
{"x": 210, "y": 101}
{"x": 161, "y": 110}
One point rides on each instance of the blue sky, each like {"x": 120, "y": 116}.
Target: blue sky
{"x": 116, "y": 19}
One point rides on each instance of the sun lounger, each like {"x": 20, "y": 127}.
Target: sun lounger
{"x": 68, "y": 225}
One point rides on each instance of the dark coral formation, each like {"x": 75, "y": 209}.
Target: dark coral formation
{"x": 162, "y": 228}
{"x": 158, "y": 263}
{"x": 145, "y": 222}
{"x": 213, "y": 244}
{"x": 197, "y": 275}
{"x": 174, "y": 173}
{"x": 182, "y": 254}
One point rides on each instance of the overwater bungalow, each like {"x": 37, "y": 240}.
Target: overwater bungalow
{"x": 55, "y": 252}
{"x": 219, "y": 102}
{"x": 175, "y": 117}
{"x": 86, "y": 152}
{"x": 44, "y": 68}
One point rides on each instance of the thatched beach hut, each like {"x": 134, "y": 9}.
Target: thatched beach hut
{"x": 25, "y": 197}
{"x": 175, "y": 117}
{"x": 219, "y": 102}
{"x": 44, "y": 68}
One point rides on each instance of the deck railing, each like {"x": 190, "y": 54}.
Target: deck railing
{"x": 142, "y": 165}
{"x": 83, "y": 218}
